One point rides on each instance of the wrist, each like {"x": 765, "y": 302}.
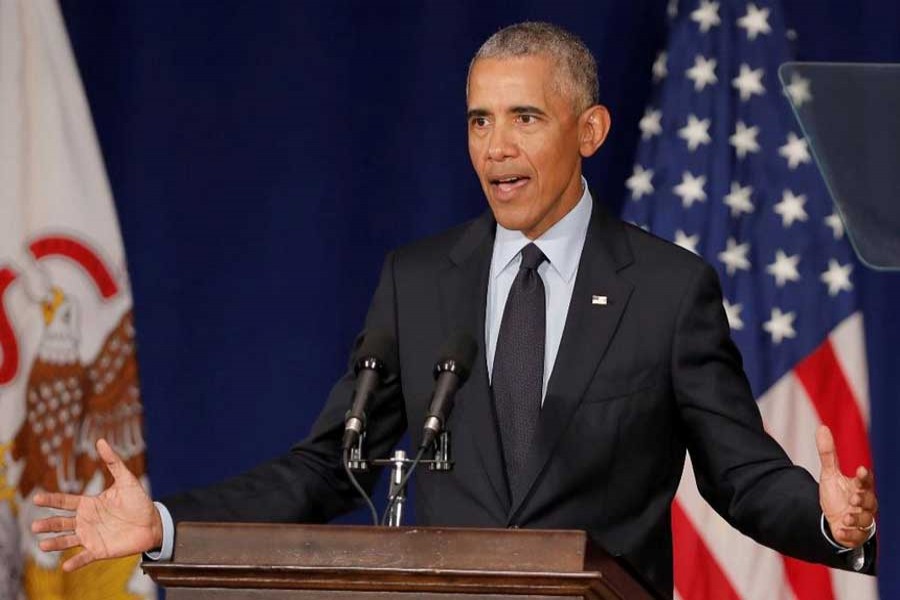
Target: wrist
{"x": 156, "y": 530}
{"x": 166, "y": 545}
{"x": 825, "y": 526}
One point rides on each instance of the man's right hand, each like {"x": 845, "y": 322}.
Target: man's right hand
{"x": 119, "y": 522}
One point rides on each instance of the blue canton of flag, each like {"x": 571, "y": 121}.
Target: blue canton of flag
{"x": 724, "y": 171}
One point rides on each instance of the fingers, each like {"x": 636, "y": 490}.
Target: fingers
{"x": 851, "y": 537}
{"x": 853, "y": 520}
{"x": 864, "y": 502}
{"x": 865, "y": 479}
{"x": 53, "y": 500}
{"x": 79, "y": 560}
{"x": 54, "y": 525}
{"x": 827, "y": 453}
{"x": 61, "y": 542}
{"x": 113, "y": 461}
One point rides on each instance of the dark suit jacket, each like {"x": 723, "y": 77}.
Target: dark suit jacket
{"x": 636, "y": 383}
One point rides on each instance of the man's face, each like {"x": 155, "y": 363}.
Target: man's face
{"x": 523, "y": 142}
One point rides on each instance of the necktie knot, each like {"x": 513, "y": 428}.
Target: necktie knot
{"x": 532, "y": 257}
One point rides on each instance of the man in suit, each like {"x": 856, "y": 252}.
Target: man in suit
{"x": 604, "y": 354}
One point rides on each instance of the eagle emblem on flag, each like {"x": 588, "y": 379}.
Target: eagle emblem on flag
{"x": 69, "y": 401}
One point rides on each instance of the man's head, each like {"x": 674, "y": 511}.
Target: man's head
{"x": 533, "y": 115}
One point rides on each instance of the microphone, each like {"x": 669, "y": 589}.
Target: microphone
{"x": 450, "y": 373}
{"x": 376, "y": 360}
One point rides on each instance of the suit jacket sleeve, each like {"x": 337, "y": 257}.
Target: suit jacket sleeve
{"x": 740, "y": 470}
{"x": 308, "y": 484}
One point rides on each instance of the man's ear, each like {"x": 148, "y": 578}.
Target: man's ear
{"x": 593, "y": 125}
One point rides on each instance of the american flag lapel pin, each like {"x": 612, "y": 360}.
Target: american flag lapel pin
{"x": 599, "y": 300}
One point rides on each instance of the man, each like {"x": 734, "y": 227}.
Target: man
{"x": 604, "y": 353}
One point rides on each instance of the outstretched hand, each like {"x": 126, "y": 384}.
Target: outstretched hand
{"x": 119, "y": 522}
{"x": 849, "y": 504}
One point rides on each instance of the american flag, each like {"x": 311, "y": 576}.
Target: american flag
{"x": 724, "y": 170}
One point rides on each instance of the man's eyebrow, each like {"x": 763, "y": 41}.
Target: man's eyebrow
{"x": 516, "y": 110}
{"x": 527, "y": 110}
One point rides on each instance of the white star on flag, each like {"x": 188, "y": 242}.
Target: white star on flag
{"x": 733, "y": 312}
{"x": 836, "y": 224}
{"x": 784, "y": 268}
{"x": 749, "y": 82}
{"x": 695, "y": 133}
{"x": 739, "y": 199}
{"x": 756, "y": 21}
{"x": 798, "y": 90}
{"x": 659, "y": 67}
{"x": 688, "y": 242}
{"x": 795, "y": 150}
{"x": 791, "y": 208}
{"x": 640, "y": 182}
{"x": 690, "y": 189}
{"x": 744, "y": 139}
{"x": 837, "y": 277}
{"x": 734, "y": 257}
{"x": 651, "y": 123}
{"x": 703, "y": 72}
{"x": 707, "y": 16}
{"x": 780, "y": 325}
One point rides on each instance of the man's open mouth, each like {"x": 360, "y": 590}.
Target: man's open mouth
{"x": 509, "y": 183}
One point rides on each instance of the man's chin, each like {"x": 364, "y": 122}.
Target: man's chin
{"x": 511, "y": 219}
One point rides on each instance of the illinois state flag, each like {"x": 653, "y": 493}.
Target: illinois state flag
{"x": 724, "y": 171}
{"x": 68, "y": 373}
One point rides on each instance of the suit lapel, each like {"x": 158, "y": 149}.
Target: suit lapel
{"x": 463, "y": 287}
{"x": 588, "y": 331}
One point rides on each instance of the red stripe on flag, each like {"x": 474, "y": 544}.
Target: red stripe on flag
{"x": 808, "y": 581}
{"x": 698, "y": 576}
{"x": 825, "y": 383}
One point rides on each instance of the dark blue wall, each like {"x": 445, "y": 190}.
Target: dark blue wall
{"x": 265, "y": 155}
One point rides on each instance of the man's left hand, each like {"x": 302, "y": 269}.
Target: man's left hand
{"x": 849, "y": 504}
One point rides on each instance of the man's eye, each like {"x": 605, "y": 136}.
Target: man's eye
{"x": 479, "y": 122}
{"x": 527, "y": 119}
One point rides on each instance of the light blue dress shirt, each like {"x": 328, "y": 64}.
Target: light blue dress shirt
{"x": 562, "y": 245}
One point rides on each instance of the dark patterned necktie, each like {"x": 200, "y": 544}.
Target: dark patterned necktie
{"x": 518, "y": 372}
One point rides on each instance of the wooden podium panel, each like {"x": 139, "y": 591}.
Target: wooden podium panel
{"x": 271, "y": 561}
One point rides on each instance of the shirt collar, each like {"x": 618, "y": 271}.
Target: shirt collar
{"x": 561, "y": 243}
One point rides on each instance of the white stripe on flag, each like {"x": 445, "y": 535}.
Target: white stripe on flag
{"x": 751, "y": 568}
{"x": 849, "y": 343}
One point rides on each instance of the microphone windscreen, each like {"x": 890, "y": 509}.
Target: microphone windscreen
{"x": 460, "y": 348}
{"x": 378, "y": 344}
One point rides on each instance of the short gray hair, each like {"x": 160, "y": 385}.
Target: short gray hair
{"x": 577, "y": 75}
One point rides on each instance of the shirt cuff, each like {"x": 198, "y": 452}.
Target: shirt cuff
{"x": 857, "y": 555}
{"x": 168, "y": 535}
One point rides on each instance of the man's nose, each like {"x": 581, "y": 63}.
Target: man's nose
{"x": 502, "y": 144}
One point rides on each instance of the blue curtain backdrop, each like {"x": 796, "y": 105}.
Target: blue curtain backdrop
{"x": 265, "y": 155}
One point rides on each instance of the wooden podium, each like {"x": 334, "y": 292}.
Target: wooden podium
{"x": 269, "y": 561}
